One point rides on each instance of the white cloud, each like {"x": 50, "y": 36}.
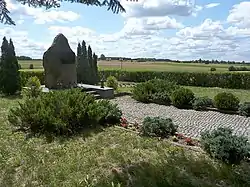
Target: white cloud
{"x": 204, "y": 31}
{"x": 240, "y": 15}
{"x": 209, "y": 40}
{"x": 147, "y": 26}
{"x": 143, "y": 34}
{"x": 212, "y": 5}
{"x": 23, "y": 44}
{"x": 147, "y": 8}
{"x": 40, "y": 15}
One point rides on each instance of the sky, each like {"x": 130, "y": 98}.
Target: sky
{"x": 173, "y": 29}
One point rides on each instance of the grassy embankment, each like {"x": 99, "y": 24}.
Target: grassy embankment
{"x": 110, "y": 155}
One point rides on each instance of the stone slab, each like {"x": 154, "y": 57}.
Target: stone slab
{"x": 105, "y": 93}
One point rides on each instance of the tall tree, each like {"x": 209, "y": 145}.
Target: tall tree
{"x": 113, "y": 5}
{"x": 4, "y": 52}
{"x": 79, "y": 52}
{"x": 84, "y": 53}
{"x": 90, "y": 60}
{"x": 13, "y": 54}
{"x": 102, "y": 57}
{"x": 95, "y": 68}
{"x": 78, "y": 61}
{"x": 10, "y": 76}
{"x": 90, "y": 57}
{"x": 83, "y": 68}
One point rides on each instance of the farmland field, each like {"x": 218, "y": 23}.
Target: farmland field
{"x": 145, "y": 66}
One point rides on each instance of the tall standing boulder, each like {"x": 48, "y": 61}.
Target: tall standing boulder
{"x": 59, "y": 63}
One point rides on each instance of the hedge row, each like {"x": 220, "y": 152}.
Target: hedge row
{"x": 232, "y": 80}
{"x": 203, "y": 79}
{"x": 25, "y": 75}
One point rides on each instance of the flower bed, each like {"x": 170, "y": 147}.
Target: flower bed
{"x": 177, "y": 138}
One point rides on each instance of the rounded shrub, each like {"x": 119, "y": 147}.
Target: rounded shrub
{"x": 63, "y": 113}
{"x": 182, "y": 98}
{"x": 154, "y": 91}
{"x": 112, "y": 82}
{"x": 232, "y": 68}
{"x": 33, "y": 87}
{"x": 201, "y": 103}
{"x": 161, "y": 98}
{"x": 226, "y": 101}
{"x": 223, "y": 145}
{"x": 142, "y": 92}
{"x": 244, "y": 109}
{"x": 158, "y": 127}
{"x": 212, "y": 69}
{"x": 31, "y": 66}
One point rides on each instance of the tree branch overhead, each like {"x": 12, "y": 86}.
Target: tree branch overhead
{"x": 113, "y": 5}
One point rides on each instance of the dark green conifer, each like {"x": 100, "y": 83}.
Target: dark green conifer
{"x": 9, "y": 71}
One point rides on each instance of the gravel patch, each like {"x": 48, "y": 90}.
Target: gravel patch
{"x": 191, "y": 123}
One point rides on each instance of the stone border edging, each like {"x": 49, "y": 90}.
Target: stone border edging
{"x": 193, "y": 148}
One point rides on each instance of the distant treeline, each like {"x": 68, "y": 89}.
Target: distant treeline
{"x": 102, "y": 57}
{"x": 26, "y": 58}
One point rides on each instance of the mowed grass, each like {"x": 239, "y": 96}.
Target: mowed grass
{"x": 25, "y": 64}
{"x": 98, "y": 158}
{"x": 145, "y": 66}
{"x": 243, "y": 95}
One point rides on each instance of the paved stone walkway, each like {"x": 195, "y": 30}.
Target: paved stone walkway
{"x": 190, "y": 122}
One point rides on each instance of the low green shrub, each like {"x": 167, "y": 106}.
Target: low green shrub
{"x": 154, "y": 91}
{"x": 182, "y": 98}
{"x": 112, "y": 82}
{"x": 31, "y": 66}
{"x": 212, "y": 69}
{"x": 158, "y": 127}
{"x": 201, "y": 103}
{"x": 142, "y": 92}
{"x": 231, "y": 68}
{"x": 226, "y": 101}
{"x": 221, "y": 144}
{"x": 164, "y": 85}
{"x": 244, "y": 109}
{"x": 33, "y": 88}
{"x": 25, "y": 75}
{"x": 161, "y": 98}
{"x": 239, "y": 68}
{"x": 63, "y": 113}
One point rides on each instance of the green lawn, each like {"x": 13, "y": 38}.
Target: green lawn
{"x": 25, "y": 64}
{"x": 135, "y": 66}
{"x": 109, "y": 155}
{"x": 244, "y": 95}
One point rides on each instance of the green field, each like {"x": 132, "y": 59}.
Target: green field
{"x": 145, "y": 66}
{"x": 95, "y": 159}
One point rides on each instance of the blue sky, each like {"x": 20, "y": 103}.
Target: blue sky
{"x": 176, "y": 29}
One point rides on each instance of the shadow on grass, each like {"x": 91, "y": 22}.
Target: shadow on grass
{"x": 182, "y": 171}
{"x": 11, "y": 97}
{"x": 83, "y": 133}
{"x": 49, "y": 138}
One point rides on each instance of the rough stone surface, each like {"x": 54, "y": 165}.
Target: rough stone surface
{"x": 59, "y": 64}
{"x": 191, "y": 123}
